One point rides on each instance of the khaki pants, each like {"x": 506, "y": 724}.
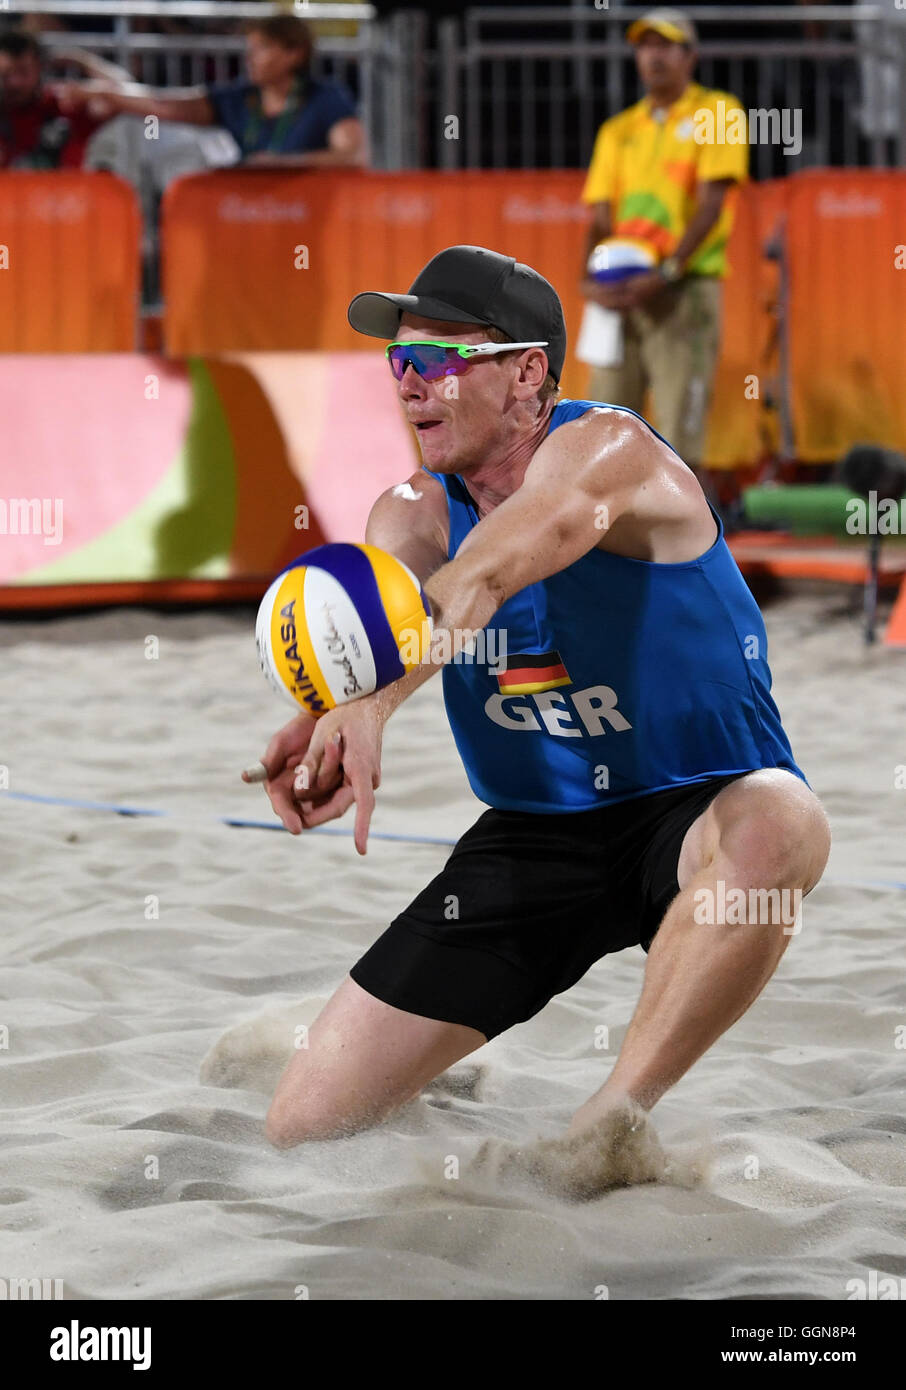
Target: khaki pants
{"x": 670, "y": 349}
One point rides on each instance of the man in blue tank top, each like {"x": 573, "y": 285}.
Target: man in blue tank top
{"x": 613, "y": 709}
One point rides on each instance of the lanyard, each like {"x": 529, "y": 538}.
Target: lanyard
{"x": 256, "y": 118}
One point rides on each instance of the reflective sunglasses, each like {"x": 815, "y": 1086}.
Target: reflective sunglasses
{"x": 433, "y": 359}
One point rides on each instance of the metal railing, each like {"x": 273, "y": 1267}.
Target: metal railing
{"x": 529, "y": 87}
{"x": 375, "y": 61}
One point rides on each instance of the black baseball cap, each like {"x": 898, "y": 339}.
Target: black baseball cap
{"x": 470, "y": 284}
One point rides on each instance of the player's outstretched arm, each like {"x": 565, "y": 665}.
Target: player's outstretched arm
{"x": 580, "y": 482}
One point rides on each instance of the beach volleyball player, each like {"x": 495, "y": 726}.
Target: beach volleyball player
{"x": 628, "y": 747}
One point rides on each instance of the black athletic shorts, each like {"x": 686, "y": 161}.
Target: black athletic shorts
{"x": 526, "y": 903}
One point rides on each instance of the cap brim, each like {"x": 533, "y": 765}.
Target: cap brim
{"x": 657, "y": 26}
{"x": 378, "y": 315}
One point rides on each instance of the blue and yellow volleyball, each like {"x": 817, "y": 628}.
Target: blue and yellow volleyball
{"x": 618, "y": 258}
{"x": 340, "y": 622}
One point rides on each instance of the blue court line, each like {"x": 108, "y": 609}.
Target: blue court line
{"x": 238, "y": 822}
{"x": 865, "y": 883}
{"x": 241, "y": 823}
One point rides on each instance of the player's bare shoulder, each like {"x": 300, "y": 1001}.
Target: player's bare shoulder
{"x": 411, "y": 520}
{"x": 621, "y": 444}
{"x": 660, "y": 513}
{"x": 419, "y": 501}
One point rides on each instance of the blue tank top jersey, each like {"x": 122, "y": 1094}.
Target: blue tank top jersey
{"x": 613, "y": 678}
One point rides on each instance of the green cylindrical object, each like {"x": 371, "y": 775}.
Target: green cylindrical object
{"x": 806, "y": 508}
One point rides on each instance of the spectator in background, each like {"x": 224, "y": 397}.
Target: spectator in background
{"x": 280, "y": 116}
{"x": 35, "y": 131}
{"x": 650, "y": 179}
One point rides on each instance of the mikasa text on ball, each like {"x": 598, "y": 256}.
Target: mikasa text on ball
{"x": 341, "y": 621}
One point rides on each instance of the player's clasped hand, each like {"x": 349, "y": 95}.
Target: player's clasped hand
{"x": 318, "y": 767}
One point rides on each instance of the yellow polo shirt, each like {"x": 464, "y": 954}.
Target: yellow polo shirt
{"x": 649, "y": 170}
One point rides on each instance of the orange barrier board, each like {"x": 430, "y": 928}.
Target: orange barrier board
{"x": 259, "y": 260}
{"x": 846, "y": 234}
{"x": 263, "y": 260}
{"x": 72, "y": 252}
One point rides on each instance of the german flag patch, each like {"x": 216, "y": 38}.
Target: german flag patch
{"x": 530, "y": 672}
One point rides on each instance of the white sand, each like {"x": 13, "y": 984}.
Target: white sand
{"x": 110, "y": 1013}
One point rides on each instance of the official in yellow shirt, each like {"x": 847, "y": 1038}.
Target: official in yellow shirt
{"x": 663, "y": 171}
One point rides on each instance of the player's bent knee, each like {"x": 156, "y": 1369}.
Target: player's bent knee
{"x": 796, "y": 841}
{"x": 287, "y": 1134}
{"x": 285, "y": 1126}
{"x": 301, "y": 1113}
{"x": 278, "y": 1132}
{"x": 775, "y": 832}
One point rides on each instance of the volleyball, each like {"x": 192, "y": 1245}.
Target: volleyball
{"x": 618, "y": 258}
{"x": 340, "y": 622}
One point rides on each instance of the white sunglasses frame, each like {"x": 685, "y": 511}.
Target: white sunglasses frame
{"x": 473, "y": 349}
{"x": 491, "y": 349}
